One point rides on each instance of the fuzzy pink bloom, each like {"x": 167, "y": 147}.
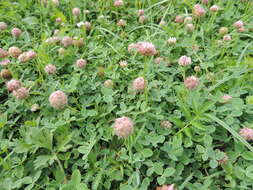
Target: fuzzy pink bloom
{"x": 58, "y": 99}
{"x": 241, "y": 29}
{"x": 121, "y": 22}
{"x": 226, "y": 97}
{"x": 188, "y": 19}
{"x": 189, "y": 27}
{"x": 158, "y": 60}
{"x": 191, "y": 82}
{"x": 184, "y": 60}
{"x": 58, "y": 20}
{"x": 16, "y": 32}
{"x": 108, "y": 83}
{"x": 238, "y": 24}
{"x": 139, "y": 84}
{"x": 146, "y": 48}
{"x": 61, "y": 51}
{"x": 56, "y": 2}
{"x": 198, "y": 11}
{"x": 179, "y": 19}
{"x": 223, "y": 30}
{"x": 50, "y": 69}
{"x": 227, "y": 38}
{"x": 123, "y": 64}
{"x": 166, "y": 187}
{"x": 123, "y": 127}
{"x": 3, "y": 25}
{"x": 31, "y": 54}
{"x": 140, "y": 12}
{"x": 246, "y": 133}
{"x": 13, "y": 84}
{"x": 118, "y": 3}
{"x": 81, "y": 63}
{"x": 5, "y": 62}
{"x": 67, "y": 41}
{"x": 214, "y": 8}
{"x": 205, "y": 2}
{"x": 172, "y": 40}
{"x": 21, "y": 93}
{"x": 166, "y": 124}
{"x": 14, "y": 51}
{"x": 142, "y": 18}
{"x": 76, "y": 11}
{"x": 3, "y": 53}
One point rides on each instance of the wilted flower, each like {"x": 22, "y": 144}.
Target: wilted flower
{"x": 108, "y": 83}
{"x": 23, "y": 57}
{"x": 76, "y": 11}
{"x": 205, "y": 2}
{"x": 158, "y": 60}
{"x": 189, "y": 27}
{"x": 227, "y": 38}
{"x": 142, "y": 18}
{"x": 118, "y": 3}
{"x": 191, "y": 82}
{"x": 16, "y": 32}
{"x": 52, "y": 40}
{"x": 21, "y": 93}
{"x": 86, "y": 11}
{"x": 14, "y": 51}
{"x": 58, "y": 99}
{"x": 214, "y": 8}
{"x": 5, "y": 74}
{"x": 246, "y": 133}
{"x": 140, "y": 12}
{"x": 166, "y": 124}
{"x": 35, "y": 107}
{"x": 121, "y": 22}
{"x": 224, "y": 160}
{"x": 179, "y": 19}
{"x": 61, "y": 51}
{"x": 139, "y": 84}
{"x": 123, "y": 64}
{"x": 50, "y": 69}
{"x": 3, "y": 53}
{"x": 3, "y": 25}
{"x": 197, "y": 68}
{"x": 184, "y": 60}
{"x": 78, "y": 42}
{"x": 87, "y": 25}
{"x": 55, "y": 2}
{"x": 238, "y": 24}
{"x": 67, "y": 41}
{"x": 223, "y": 30}
{"x": 81, "y": 63}
{"x": 13, "y": 84}
{"x": 198, "y": 10}
{"x": 172, "y": 40}
{"x": 123, "y": 127}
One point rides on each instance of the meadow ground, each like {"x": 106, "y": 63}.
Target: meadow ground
{"x": 126, "y": 94}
